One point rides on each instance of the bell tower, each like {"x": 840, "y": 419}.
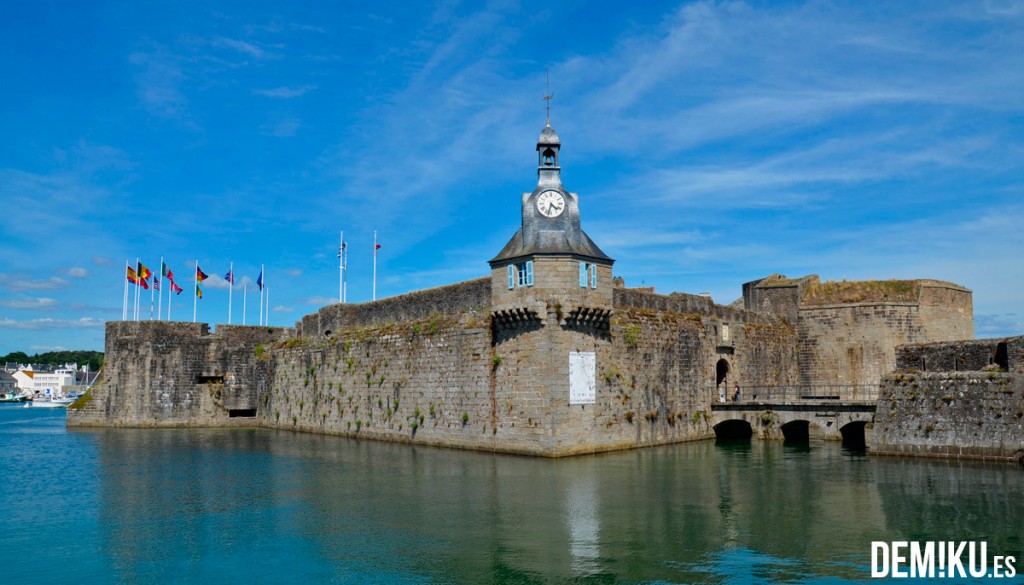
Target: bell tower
{"x": 551, "y": 260}
{"x": 551, "y": 307}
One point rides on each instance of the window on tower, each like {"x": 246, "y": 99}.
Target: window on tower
{"x": 520, "y": 274}
{"x": 588, "y": 275}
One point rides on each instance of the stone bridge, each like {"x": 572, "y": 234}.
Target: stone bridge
{"x": 799, "y": 413}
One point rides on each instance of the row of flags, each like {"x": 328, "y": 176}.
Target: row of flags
{"x": 140, "y": 276}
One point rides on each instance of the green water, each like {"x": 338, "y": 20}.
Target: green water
{"x": 256, "y": 506}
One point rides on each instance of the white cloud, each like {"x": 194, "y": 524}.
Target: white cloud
{"x": 75, "y": 272}
{"x": 243, "y": 47}
{"x": 45, "y": 348}
{"x": 215, "y": 281}
{"x": 21, "y": 284}
{"x": 283, "y": 309}
{"x": 321, "y": 301}
{"x": 48, "y": 323}
{"x": 999, "y": 325}
{"x": 285, "y": 92}
{"x": 30, "y": 303}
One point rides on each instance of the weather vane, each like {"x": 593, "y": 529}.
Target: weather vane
{"x": 548, "y": 96}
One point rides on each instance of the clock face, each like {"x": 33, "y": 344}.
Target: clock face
{"x": 550, "y": 204}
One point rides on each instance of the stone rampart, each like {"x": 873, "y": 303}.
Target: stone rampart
{"x": 425, "y": 380}
{"x": 462, "y": 380}
{"x": 445, "y": 300}
{"x": 853, "y": 342}
{"x": 167, "y": 373}
{"x": 678, "y": 303}
{"x": 966, "y": 355}
{"x": 969, "y": 415}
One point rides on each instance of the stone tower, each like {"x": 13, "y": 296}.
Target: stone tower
{"x": 551, "y": 299}
{"x": 550, "y": 258}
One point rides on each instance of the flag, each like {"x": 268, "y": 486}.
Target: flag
{"x": 200, "y": 275}
{"x": 230, "y": 278}
{"x": 144, "y": 273}
{"x": 143, "y": 283}
{"x": 376, "y": 247}
{"x": 156, "y": 282}
{"x": 259, "y": 280}
{"x": 166, "y": 272}
{"x": 176, "y": 288}
{"x": 132, "y": 276}
{"x": 199, "y": 291}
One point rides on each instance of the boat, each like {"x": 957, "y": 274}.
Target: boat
{"x": 10, "y": 397}
{"x": 52, "y": 400}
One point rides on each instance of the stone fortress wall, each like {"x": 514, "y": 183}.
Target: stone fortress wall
{"x": 441, "y": 373}
{"x": 547, "y": 356}
{"x": 169, "y": 373}
{"x": 961, "y": 399}
{"x": 441, "y": 367}
{"x": 848, "y": 330}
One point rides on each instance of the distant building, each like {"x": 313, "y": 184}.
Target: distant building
{"x": 44, "y": 382}
{"x": 7, "y": 383}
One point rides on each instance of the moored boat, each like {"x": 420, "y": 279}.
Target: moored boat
{"x": 11, "y": 397}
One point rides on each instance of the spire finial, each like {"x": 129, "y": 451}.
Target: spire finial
{"x": 548, "y": 96}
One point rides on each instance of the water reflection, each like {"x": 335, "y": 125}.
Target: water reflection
{"x": 181, "y": 506}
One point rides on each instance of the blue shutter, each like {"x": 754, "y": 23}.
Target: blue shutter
{"x": 583, "y": 274}
{"x": 529, "y": 273}
{"x": 593, "y": 276}
{"x": 511, "y": 276}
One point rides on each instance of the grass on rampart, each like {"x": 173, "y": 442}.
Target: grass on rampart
{"x": 861, "y": 291}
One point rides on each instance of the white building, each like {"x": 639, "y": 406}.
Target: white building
{"x": 44, "y": 383}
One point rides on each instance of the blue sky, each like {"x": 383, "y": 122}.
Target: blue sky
{"x": 711, "y": 143}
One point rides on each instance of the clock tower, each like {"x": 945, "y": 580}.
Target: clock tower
{"x": 551, "y": 305}
{"x": 551, "y": 260}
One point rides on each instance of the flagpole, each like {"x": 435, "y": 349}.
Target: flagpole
{"x": 169, "y": 303}
{"x": 268, "y": 306}
{"x": 261, "y": 294}
{"x": 374, "y": 265}
{"x": 231, "y": 273}
{"x": 195, "y": 291}
{"x": 152, "y": 297}
{"x": 135, "y": 309}
{"x": 124, "y": 307}
{"x": 341, "y": 268}
{"x": 160, "y": 301}
{"x": 344, "y": 259}
{"x": 245, "y": 290}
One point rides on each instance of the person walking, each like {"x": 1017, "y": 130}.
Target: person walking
{"x": 736, "y": 393}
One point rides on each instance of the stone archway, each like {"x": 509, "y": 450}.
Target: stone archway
{"x": 733, "y": 430}
{"x": 797, "y": 431}
{"x": 721, "y": 380}
{"x": 853, "y": 435}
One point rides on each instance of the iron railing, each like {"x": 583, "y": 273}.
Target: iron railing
{"x": 837, "y": 392}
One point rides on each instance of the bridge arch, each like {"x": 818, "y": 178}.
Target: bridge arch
{"x": 853, "y": 434}
{"x": 797, "y": 431}
{"x": 733, "y": 430}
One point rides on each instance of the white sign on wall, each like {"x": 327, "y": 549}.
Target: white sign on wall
{"x": 582, "y": 377}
